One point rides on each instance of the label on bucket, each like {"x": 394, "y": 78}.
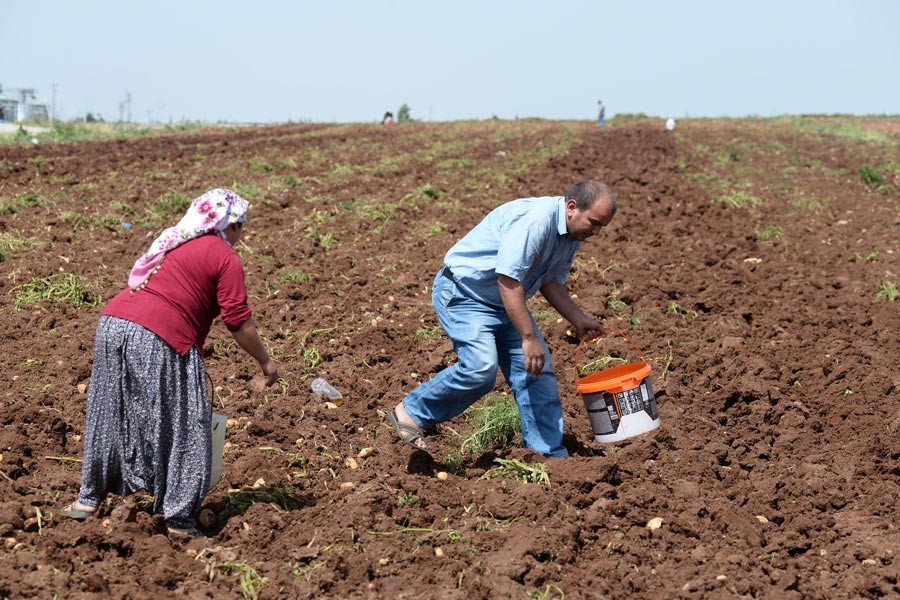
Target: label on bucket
{"x": 604, "y": 416}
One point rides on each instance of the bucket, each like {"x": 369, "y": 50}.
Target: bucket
{"x": 217, "y": 423}
{"x": 619, "y": 400}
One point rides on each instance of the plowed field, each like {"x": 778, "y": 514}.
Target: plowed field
{"x": 749, "y": 260}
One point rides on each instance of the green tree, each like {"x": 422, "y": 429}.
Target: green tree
{"x": 403, "y": 113}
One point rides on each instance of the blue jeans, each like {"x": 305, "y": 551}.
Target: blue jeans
{"x": 484, "y": 340}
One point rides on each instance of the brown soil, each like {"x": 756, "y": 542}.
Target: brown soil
{"x": 775, "y": 471}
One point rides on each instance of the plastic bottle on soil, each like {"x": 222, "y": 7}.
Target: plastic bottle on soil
{"x": 323, "y": 388}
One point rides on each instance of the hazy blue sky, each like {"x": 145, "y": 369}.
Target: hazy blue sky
{"x": 343, "y": 60}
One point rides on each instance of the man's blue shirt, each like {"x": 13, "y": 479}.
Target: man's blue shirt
{"x": 524, "y": 239}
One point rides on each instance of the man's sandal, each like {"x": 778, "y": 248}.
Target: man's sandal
{"x": 409, "y": 434}
{"x": 73, "y": 512}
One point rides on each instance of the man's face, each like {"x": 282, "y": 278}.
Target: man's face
{"x": 582, "y": 224}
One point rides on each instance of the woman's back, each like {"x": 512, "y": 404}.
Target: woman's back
{"x": 194, "y": 283}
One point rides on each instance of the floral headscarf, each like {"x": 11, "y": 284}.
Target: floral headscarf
{"x": 213, "y": 211}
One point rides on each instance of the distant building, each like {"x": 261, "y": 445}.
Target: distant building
{"x": 21, "y": 104}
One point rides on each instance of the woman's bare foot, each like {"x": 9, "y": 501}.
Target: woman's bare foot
{"x": 77, "y": 511}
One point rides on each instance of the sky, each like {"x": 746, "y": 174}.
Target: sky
{"x": 266, "y": 61}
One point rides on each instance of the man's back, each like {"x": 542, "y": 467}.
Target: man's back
{"x": 524, "y": 239}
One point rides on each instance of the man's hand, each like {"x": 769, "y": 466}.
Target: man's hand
{"x": 513, "y": 296}
{"x": 587, "y": 328}
{"x": 533, "y": 353}
{"x": 558, "y": 297}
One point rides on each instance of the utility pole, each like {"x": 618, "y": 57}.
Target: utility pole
{"x": 52, "y": 103}
{"x": 128, "y": 104}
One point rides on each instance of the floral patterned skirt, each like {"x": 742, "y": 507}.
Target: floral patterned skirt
{"x": 148, "y": 422}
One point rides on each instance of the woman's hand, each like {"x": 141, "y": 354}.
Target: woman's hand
{"x": 248, "y": 339}
{"x": 270, "y": 370}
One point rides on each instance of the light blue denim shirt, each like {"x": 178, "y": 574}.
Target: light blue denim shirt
{"x": 524, "y": 239}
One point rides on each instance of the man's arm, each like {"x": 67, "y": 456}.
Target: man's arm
{"x": 513, "y": 295}
{"x": 558, "y": 297}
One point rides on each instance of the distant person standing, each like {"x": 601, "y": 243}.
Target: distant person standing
{"x": 601, "y": 116}
{"x": 2, "y": 117}
{"x": 388, "y": 118}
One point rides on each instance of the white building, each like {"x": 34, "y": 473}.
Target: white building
{"x": 21, "y": 104}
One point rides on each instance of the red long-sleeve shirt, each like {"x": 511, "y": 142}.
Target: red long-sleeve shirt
{"x": 195, "y": 283}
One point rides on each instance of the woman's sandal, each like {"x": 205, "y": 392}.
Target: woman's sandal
{"x": 186, "y": 532}
{"x": 409, "y": 434}
{"x": 73, "y": 512}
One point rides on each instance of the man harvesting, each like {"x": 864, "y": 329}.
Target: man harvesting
{"x": 480, "y": 295}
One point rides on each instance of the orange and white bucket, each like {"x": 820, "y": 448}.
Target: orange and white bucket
{"x": 619, "y": 400}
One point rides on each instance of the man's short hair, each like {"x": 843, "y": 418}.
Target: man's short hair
{"x": 586, "y": 192}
